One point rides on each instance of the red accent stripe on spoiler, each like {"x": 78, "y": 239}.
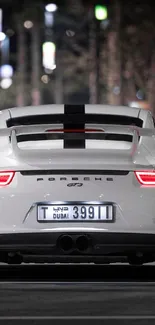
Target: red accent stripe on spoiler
{"x": 75, "y": 130}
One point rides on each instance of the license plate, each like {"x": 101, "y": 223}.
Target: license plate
{"x": 75, "y": 213}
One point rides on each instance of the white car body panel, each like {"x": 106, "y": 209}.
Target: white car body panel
{"x": 17, "y": 205}
{"x": 59, "y": 109}
{"x": 135, "y": 205}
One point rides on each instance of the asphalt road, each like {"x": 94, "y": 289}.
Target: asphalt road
{"x": 42, "y": 295}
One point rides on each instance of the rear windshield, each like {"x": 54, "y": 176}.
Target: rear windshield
{"x": 75, "y": 118}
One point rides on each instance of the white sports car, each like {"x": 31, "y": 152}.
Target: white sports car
{"x": 77, "y": 183}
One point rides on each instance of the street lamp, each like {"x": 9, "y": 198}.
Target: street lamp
{"x": 51, "y": 7}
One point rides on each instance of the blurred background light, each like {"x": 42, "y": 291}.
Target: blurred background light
{"x": 49, "y": 71}
{"x": 28, "y": 24}
{"x": 6, "y": 83}
{"x": 70, "y": 33}
{"x": 2, "y": 36}
{"x": 140, "y": 94}
{"x": 45, "y": 79}
{"x": 51, "y": 7}
{"x": 49, "y": 49}
{"x": 105, "y": 23}
{"x": 116, "y": 90}
{"x": 49, "y": 19}
{"x": 1, "y": 19}
{"x": 6, "y": 71}
{"x": 101, "y": 12}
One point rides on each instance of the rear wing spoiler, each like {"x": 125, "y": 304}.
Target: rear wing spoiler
{"x": 94, "y": 128}
{"x": 91, "y": 131}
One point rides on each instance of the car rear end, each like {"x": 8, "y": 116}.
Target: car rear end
{"x": 76, "y": 187}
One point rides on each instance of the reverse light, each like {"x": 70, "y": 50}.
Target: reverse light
{"x": 146, "y": 177}
{"x": 6, "y": 178}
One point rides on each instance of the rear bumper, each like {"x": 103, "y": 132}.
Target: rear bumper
{"x": 99, "y": 244}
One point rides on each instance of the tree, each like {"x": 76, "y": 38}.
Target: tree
{"x": 36, "y": 63}
{"x": 34, "y": 12}
{"x": 21, "y": 62}
{"x": 114, "y": 57}
{"x": 93, "y": 64}
{"x": 138, "y": 47}
{"x": 72, "y": 52}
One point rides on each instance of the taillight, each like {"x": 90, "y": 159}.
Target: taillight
{"x": 6, "y": 178}
{"x": 75, "y": 130}
{"x": 146, "y": 177}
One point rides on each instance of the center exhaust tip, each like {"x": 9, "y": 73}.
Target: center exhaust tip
{"x": 66, "y": 243}
{"x": 82, "y": 243}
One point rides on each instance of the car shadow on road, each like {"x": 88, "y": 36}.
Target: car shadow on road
{"x": 75, "y": 273}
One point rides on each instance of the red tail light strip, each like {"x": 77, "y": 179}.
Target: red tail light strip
{"x": 75, "y": 130}
{"x": 146, "y": 177}
{"x": 6, "y": 178}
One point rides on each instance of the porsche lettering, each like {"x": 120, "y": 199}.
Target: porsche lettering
{"x": 52, "y": 179}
